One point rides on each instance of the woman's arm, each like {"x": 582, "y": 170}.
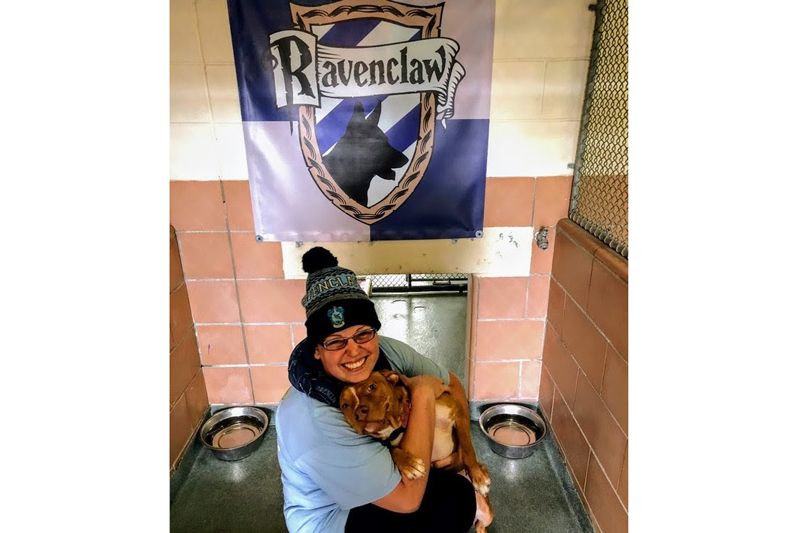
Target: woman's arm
{"x": 418, "y": 440}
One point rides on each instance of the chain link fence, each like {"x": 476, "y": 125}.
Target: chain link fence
{"x": 599, "y": 201}
{"x": 405, "y": 283}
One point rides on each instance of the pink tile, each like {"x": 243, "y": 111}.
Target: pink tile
{"x": 509, "y": 339}
{"x": 496, "y": 381}
{"x": 582, "y": 238}
{"x": 197, "y": 399}
{"x": 206, "y": 255}
{"x": 555, "y": 306}
{"x": 180, "y": 315}
{"x": 221, "y": 345}
{"x": 180, "y": 430}
{"x": 551, "y": 203}
{"x": 227, "y": 385}
{"x": 531, "y": 375}
{"x": 213, "y": 301}
{"x": 237, "y": 205}
{"x": 184, "y": 363}
{"x": 561, "y": 365}
{"x": 605, "y": 436}
{"x": 298, "y": 333}
{"x": 175, "y": 268}
{"x": 608, "y": 305}
{"x": 546, "y": 392}
{"x": 196, "y": 205}
{"x": 584, "y": 342}
{"x": 272, "y": 300}
{"x": 615, "y": 387}
{"x": 255, "y": 259}
{"x": 538, "y": 293}
{"x": 603, "y": 500}
{"x": 501, "y": 297}
{"x": 622, "y": 485}
{"x": 509, "y": 202}
{"x": 270, "y": 383}
{"x": 615, "y": 263}
{"x": 572, "y": 268}
{"x": 573, "y": 444}
{"x": 268, "y": 344}
{"x": 542, "y": 260}
{"x": 585, "y": 504}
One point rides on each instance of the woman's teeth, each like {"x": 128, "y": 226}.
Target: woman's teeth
{"x": 355, "y": 364}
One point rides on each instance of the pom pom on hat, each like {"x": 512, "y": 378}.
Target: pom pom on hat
{"x": 318, "y": 258}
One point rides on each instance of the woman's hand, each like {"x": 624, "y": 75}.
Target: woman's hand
{"x": 425, "y": 382}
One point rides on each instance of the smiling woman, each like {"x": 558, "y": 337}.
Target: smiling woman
{"x": 347, "y": 361}
{"x": 335, "y": 480}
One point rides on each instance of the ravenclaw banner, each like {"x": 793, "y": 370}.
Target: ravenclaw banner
{"x": 364, "y": 120}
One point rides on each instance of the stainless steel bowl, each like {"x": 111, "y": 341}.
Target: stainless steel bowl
{"x": 234, "y": 433}
{"x": 513, "y": 430}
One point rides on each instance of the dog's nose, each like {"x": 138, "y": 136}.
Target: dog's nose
{"x": 362, "y": 412}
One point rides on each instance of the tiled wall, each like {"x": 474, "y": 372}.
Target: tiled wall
{"x": 248, "y": 316}
{"x": 245, "y": 309}
{"x": 584, "y": 382}
{"x": 187, "y": 390}
{"x": 508, "y": 313}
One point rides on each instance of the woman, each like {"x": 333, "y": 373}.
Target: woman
{"x": 335, "y": 480}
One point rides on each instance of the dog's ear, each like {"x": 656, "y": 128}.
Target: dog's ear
{"x": 391, "y": 376}
{"x": 348, "y": 401}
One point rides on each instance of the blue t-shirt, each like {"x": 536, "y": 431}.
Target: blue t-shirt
{"x": 326, "y": 467}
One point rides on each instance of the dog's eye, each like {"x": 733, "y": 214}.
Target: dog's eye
{"x": 371, "y": 387}
{"x": 345, "y": 406}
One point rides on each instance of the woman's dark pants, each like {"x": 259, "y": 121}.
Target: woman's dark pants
{"x": 448, "y": 506}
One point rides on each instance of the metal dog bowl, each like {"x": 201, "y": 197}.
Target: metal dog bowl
{"x": 513, "y": 430}
{"x": 234, "y": 433}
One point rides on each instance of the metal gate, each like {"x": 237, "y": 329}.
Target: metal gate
{"x": 406, "y": 283}
{"x": 599, "y": 201}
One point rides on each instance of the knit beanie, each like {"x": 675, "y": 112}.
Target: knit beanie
{"x": 334, "y": 300}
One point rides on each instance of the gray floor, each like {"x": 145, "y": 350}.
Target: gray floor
{"x": 534, "y": 494}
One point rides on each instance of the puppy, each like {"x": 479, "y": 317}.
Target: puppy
{"x": 379, "y": 407}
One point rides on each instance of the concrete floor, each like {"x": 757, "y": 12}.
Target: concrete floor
{"x": 534, "y": 494}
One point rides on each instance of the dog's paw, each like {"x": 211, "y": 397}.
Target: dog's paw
{"x": 479, "y": 475}
{"x": 484, "y": 515}
{"x": 415, "y": 469}
{"x": 409, "y": 465}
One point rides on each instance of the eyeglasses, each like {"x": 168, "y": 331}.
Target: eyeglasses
{"x": 365, "y": 335}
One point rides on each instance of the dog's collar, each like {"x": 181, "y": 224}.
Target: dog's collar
{"x": 393, "y": 437}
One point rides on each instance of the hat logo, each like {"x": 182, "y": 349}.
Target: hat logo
{"x": 336, "y": 315}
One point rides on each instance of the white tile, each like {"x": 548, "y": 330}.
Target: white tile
{"x": 188, "y": 99}
{"x": 501, "y": 252}
{"x": 531, "y": 147}
{"x": 192, "y": 152}
{"x": 184, "y": 41}
{"x": 517, "y": 88}
{"x": 224, "y": 93}
{"x": 230, "y": 151}
{"x": 543, "y": 29}
{"x": 215, "y": 31}
{"x": 564, "y": 88}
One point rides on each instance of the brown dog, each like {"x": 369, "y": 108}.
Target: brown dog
{"x": 379, "y": 407}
